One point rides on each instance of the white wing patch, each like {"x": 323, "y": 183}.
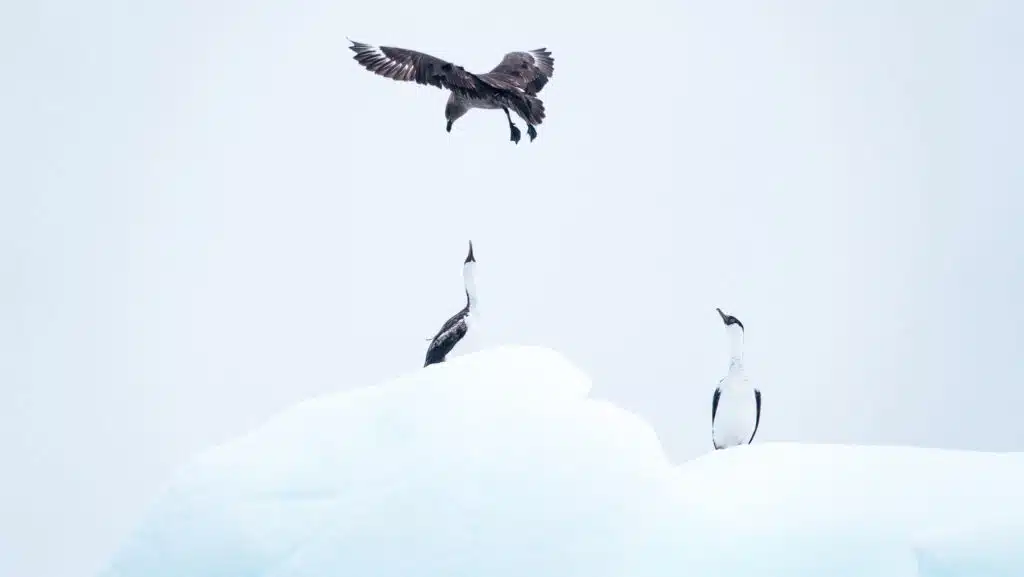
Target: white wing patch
{"x": 406, "y": 68}
{"x": 451, "y": 331}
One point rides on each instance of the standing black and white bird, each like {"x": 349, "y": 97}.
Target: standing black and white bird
{"x": 736, "y": 405}
{"x": 512, "y": 84}
{"x": 456, "y": 327}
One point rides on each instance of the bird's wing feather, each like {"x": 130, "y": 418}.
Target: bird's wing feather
{"x": 714, "y": 411}
{"x": 529, "y": 71}
{"x": 757, "y": 421}
{"x": 411, "y": 66}
{"x": 446, "y": 339}
{"x": 714, "y": 403}
{"x": 451, "y": 321}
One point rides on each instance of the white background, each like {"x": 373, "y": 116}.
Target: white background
{"x": 209, "y": 211}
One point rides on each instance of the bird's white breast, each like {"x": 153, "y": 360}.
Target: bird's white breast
{"x": 737, "y": 412}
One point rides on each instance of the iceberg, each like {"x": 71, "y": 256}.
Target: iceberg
{"x": 498, "y": 463}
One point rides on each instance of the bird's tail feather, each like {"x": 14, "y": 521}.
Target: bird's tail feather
{"x": 531, "y": 109}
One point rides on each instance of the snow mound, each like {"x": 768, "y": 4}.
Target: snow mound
{"x": 993, "y": 547}
{"x": 496, "y": 463}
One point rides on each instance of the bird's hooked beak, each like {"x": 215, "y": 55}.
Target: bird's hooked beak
{"x": 449, "y": 127}
{"x": 469, "y": 257}
{"x": 725, "y": 317}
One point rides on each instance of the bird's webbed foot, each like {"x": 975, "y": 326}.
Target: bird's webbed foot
{"x": 531, "y": 131}
{"x": 516, "y": 135}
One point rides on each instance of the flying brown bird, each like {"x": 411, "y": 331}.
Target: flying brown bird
{"x": 513, "y": 83}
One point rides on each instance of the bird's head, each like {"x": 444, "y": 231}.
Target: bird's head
{"x": 452, "y": 111}
{"x": 729, "y": 319}
{"x": 469, "y": 277}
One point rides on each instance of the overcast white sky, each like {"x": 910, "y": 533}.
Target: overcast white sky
{"x": 209, "y": 211}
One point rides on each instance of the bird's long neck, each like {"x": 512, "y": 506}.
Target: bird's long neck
{"x": 469, "y": 278}
{"x": 735, "y": 347}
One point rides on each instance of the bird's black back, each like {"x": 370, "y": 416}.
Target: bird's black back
{"x": 445, "y": 340}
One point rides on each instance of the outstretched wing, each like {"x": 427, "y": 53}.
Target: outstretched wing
{"x": 757, "y": 422}
{"x": 529, "y": 70}
{"x": 409, "y": 65}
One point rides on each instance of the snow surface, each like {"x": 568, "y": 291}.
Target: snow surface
{"x": 497, "y": 463}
